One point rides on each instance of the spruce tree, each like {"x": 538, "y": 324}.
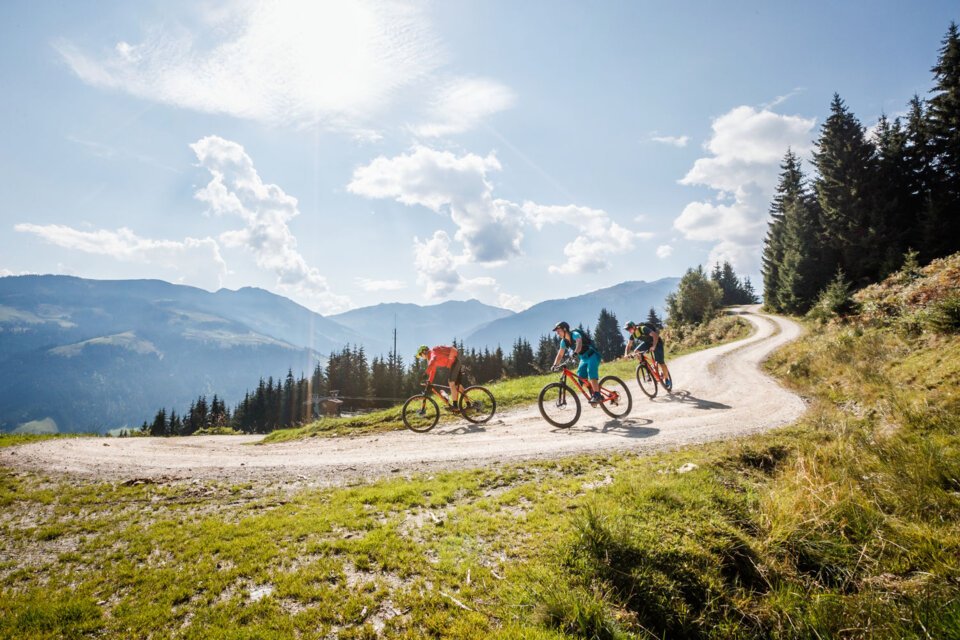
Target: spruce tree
{"x": 790, "y": 190}
{"x": 895, "y": 206}
{"x": 608, "y": 338}
{"x": 653, "y": 320}
{"x": 845, "y": 162}
{"x": 942, "y": 223}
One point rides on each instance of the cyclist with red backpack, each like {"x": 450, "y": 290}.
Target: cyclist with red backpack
{"x": 579, "y": 342}
{"x": 443, "y": 357}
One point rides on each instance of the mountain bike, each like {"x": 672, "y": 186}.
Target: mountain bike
{"x": 649, "y": 375}
{"x": 560, "y": 404}
{"x": 421, "y": 412}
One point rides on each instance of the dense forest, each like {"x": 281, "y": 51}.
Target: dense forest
{"x": 875, "y": 201}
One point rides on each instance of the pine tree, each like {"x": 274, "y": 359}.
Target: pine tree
{"x": 845, "y": 165}
{"x": 801, "y": 273}
{"x": 159, "y": 426}
{"x": 653, "y": 320}
{"x": 546, "y": 351}
{"x": 895, "y": 206}
{"x": 608, "y": 338}
{"x": 790, "y": 190}
{"x": 942, "y": 223}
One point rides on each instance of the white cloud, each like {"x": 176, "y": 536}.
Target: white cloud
{"x": 664, "y": 251}
{"x": 490, "y": 229}
{"x": 380, "y": 285}
{"x": 197, "y": 261}
{"x": 675, "y": 141}
{"x": 237, "y": 190}
{"x": 436, "y": 265}
{"x": 462, "y": 104}
{"x": 300, "y": 62}
{"x": 446, "y": 183}
{"x": 747, "y": 147}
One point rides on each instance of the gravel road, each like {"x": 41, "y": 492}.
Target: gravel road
{"x": 718, "y": 393}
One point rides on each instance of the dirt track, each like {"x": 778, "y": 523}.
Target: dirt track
{"x": 719, "y": 393}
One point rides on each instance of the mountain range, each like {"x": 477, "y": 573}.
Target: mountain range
{"x": 96, "y": 355}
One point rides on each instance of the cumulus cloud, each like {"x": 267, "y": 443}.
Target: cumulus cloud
{"x": 599, "y": 236}
{"x": 664, "y": 251}
{"x": 490, "y": 229}
{"x": 454, "y": 185}
{"x": 747, "y": 146}
{"x": 300, "y": 62}
{"x": 462, "y": 104}
{"x": 196, "y": 260}
{"x": 236, "y": 189}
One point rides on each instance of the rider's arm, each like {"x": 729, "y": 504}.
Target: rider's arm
{"x": 577, "y": 349}
{"x": 431, "y": 368}
{"x": 626, "y": 350}
{"x": 559, "y": 357}
{"x": 656, "y": 338}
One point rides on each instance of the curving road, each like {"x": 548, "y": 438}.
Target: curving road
{"x": 719, "y": 393}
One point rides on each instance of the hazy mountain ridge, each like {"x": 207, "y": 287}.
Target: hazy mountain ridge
{"x": 95, "y": 355}
{"x": 416, "y": 325}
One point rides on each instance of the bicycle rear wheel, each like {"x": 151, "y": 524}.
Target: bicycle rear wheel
{"x": 617, "y": 400}
{"x": 477, "y": 404}
{"x": 559, "y": 405}
{"x": 420, "y": 413}
{"x": 648, "y": 383}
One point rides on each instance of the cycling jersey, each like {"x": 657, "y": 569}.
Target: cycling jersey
{"x": 586, "y": 344}
{"x": 441, "y": 357}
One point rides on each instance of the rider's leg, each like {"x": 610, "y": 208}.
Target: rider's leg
{"x": 456, "y": 377}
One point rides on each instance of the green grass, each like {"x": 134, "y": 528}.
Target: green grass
{"x": 844, "y": 525}
{"x": 14, "y": 439}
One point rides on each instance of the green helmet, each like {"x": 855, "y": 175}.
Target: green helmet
{"x": 422, "y": 351}
{"x": 630, "y": 325}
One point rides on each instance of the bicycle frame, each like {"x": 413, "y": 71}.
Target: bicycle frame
{"x": 580, "y": 382}
{"x": 652, "y": 365}
{"x": 437, "y": 390}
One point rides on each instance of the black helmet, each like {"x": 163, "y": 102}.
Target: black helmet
{"x": 562, "y": 325}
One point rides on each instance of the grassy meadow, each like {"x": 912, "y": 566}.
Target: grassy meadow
{"x": 843, "y": 525}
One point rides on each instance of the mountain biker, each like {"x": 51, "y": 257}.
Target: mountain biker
{"x": 443, "y": 357}
{"x": 581, "y": 344}
{"x": 647, "y": 337}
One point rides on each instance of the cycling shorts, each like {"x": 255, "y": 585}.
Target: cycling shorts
{"x": 657, "y": 353}
{"x": 589, "y": 365}
{"x": 454, "y": 372}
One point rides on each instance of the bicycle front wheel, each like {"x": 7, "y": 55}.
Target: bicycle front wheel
{"x": 617, "y": 400}
{"x": 477, "y": 404}
{"x": 648, "y": 384}
{"x": 559, "y": 405}
{"x": 420, "y": 413}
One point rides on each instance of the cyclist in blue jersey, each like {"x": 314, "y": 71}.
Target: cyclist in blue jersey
{"x": 580, "y": 343}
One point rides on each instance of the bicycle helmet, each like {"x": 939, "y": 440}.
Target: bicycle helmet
{"x": 630, "y": 325}
{"x": 422, "y": 351}
{"x": 562, "y": 325}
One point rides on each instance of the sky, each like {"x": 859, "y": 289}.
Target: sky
{"x": 345, "y": 154}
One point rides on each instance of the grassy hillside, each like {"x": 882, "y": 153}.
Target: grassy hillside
{"x": 844, "y": 525}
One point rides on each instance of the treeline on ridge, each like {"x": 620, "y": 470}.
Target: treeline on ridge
{"x": 874, "y": 200}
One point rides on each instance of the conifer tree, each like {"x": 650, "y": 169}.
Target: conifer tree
{"x": 653, "y": 320}
{"x": 790, "y": 190}
{"x": 608, "y": 339}
{"x": 895, "y": 206}
{"x": 845, "y": 163}
{"x": 942, "y": 222}
{"x": 802, "y": 272}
